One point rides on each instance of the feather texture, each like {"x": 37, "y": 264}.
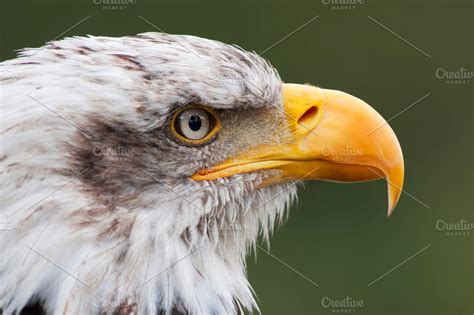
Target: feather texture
{"x": 98, "y": 212}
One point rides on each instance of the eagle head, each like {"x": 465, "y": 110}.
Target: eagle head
{"x": 139, "y": 171}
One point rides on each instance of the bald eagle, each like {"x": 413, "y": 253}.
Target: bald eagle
{"x": 137, "y": 172}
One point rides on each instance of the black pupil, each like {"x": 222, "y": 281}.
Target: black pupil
{"x": 194, "y": 122}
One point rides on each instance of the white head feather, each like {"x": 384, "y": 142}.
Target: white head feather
{"x": 134, "y": 241}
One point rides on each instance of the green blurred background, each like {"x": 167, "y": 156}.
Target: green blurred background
{"x": 338, "y": 236}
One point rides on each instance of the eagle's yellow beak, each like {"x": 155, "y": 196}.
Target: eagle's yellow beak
{"x": 336, "y": 137}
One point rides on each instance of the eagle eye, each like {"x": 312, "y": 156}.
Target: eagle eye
{"x": 194, "y": 125}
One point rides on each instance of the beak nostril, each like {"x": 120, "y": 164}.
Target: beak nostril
{"x": 308, "y": 116}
